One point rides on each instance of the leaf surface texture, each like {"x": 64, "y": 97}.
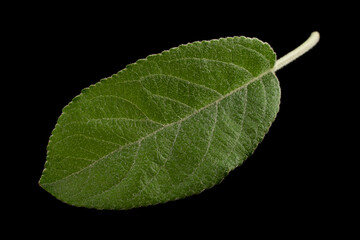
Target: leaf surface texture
{"x": 166, "y": 127}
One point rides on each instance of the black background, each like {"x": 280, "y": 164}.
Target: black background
{"x": 293, "y": 180}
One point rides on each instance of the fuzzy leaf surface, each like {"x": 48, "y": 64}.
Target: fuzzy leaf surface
{"x": 164, "y": 128}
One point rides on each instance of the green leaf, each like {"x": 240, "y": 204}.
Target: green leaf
{"x": 164, "y": 128}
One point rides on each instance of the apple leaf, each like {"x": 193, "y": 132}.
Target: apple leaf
{"x": 164, "y": 128}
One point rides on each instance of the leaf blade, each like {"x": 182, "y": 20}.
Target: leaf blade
{"x": 154, "y": 96}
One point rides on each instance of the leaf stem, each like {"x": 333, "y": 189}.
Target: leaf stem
{"x": 297, "y": 52}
